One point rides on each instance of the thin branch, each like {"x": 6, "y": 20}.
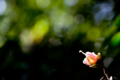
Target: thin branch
{"x": 106, "y": 74}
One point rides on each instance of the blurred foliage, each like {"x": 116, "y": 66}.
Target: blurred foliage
{"x": 40, "y": 39}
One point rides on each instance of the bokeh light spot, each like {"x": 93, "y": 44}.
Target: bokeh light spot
{"x": 84, "y": 27}
{"x": 39, "y": 30}
{"x": 31, "y": 3}
{"x": 115, "y": 39}
{"x": 107, "y": 61}
{"x": 98, "y": 43}
{"x": 79, "y": 19}
{"x": 93, "y": 34}
{"x": 26, "y": 39}
{"x": 3, "y": 6}
{"x": 71, "y": 2}
{"x": 43, "y": 3}
{"x": 2, "y": 40}
{"x": 54, "y": 42}
{"x": 103, "y": 11}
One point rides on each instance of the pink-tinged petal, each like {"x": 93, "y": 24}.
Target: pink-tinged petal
{"x": 85, "y": 61}
{"x": 91, "y": 56}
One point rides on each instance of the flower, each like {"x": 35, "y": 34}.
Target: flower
{"x": 91, "y": 58}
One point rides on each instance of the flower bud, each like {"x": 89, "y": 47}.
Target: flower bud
{"x": 91, "y": 58}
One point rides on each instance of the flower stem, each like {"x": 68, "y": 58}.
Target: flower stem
{"x": 106, "y": 74}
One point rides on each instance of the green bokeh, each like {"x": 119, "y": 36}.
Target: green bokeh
{"x": 41, "y": 39}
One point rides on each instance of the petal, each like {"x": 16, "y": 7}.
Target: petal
{"x": 85, "y": 61}
{"x": 98, "y": 56}
{"x": 93, "y": 56}
{"x": 91, "y": 61}
{"x": 89, "y": 54}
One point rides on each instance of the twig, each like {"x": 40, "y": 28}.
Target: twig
{"x": 106, "y": 74}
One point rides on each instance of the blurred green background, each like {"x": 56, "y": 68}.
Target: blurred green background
{"x": 41, "y": 39}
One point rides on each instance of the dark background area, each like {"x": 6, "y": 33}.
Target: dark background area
{"x": 41, "y": 39}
